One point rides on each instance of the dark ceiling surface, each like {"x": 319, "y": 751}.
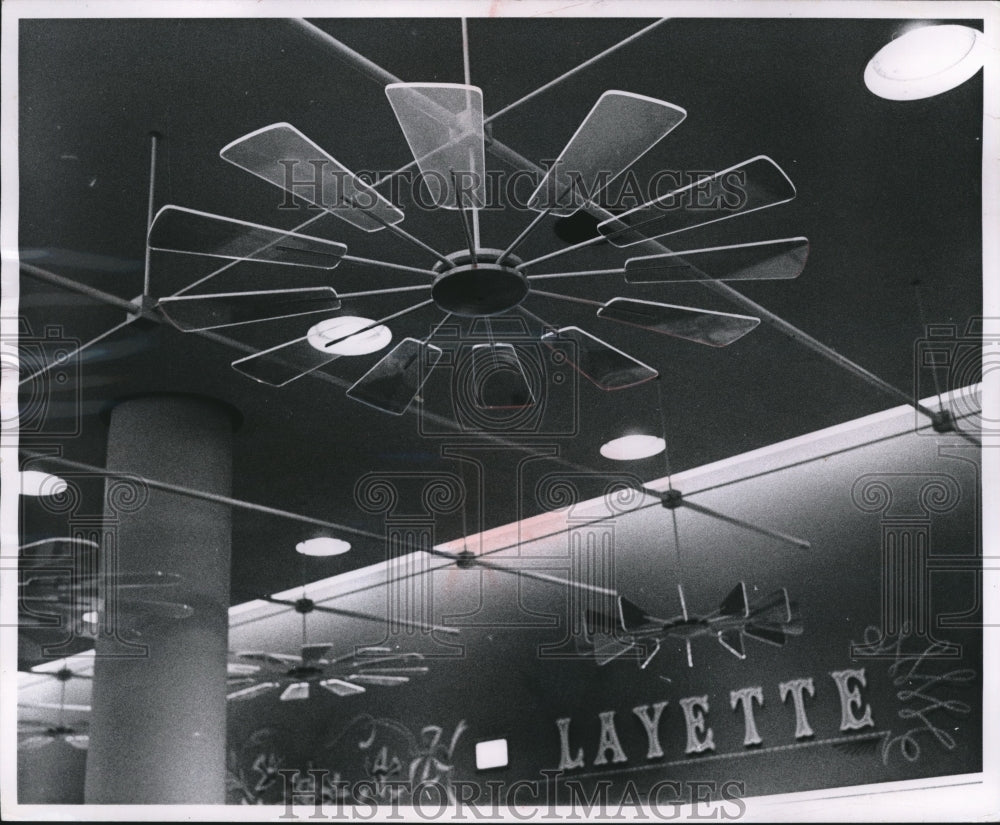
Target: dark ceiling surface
{"x": 888, "y": 194}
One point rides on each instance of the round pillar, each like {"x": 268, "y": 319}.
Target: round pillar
{"x": 158, "y": 718}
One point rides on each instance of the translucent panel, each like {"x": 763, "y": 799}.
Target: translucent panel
{"x": 177, "y": 229}
{"x": 284, "y": 363}
{"x": 703, "y": 326}
{"x": 275, "y": 660}
{"x": 253, "y": 690}
{"x": 393, "y": 383}
{"x": 397, "y": 670}
{"x": 443, "y": 124}
{"x": 618, "y": 131}
{"x": 499, "y": 380}
{"x": 193, "y": 313}
{"x": 763, "y": 260}
{"x": 608, "y": 647}
{"x": 235, "y": 669}
{"x": 295, "y": 692}
{"x": 282, "y": 155}
{"x": 341, "y": 688}
{"x": 375, "y": 679}
{"x": 33, "y": 743}
{"x": 754, "y": 184}
{"x": 599, "y": 362}
{"x": 80, "y": 741}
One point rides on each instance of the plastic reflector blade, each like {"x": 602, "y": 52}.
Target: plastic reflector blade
{"x": 341, "y": 688}
{"x": 619, "y": 130}
{"x": 608, "y": 648}
{"x": 253, "y": 690}
{"x": 760, "y": 261}
{"x": 178, "y": 229}
{"x": 377, "y": 679}
{"x": 295, "y": 692}
{"x": 282, "y": 155}
{"x": 393, "y": 383}
{"x": 443, "y": 125}
{"x": 601, "y": 363}
{"x": 193, "y": 313}
{"x": 754, "y": 184}
{"x": 499, "y": 380}
{"x": 284, "y": 363}
{"x": 732, "y": 641}
{"x": 765, "y": 633}
{"x": 703, "y": 326}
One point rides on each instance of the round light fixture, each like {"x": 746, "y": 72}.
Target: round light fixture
{"x": 632, "y": 447}
{"x": 925, "y": 61}
{"x": 37, "y": 483}
{"x": 333, "y": 329}
{"x": 323, "y": 546}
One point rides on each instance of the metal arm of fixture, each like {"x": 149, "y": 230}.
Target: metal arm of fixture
{"x": 509, "y": 156}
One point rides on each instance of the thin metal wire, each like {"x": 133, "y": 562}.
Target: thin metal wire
{"x": 266, "y": 246}
{"x": 579, "y": 274}
{"x": 579, "y": 68}
{"x": 923, "y": 323}
{"x": 201, "y": 494}
{"x": 563, "y": 251}
{"x": 468, "y": 82}
{"x": 560, "y": 297}
{"x": 62, "y": 359}
{"x": 149, "y": 211}
{"x": 387, "y": 291}
{"x": 469, "y": 239}
{"x": 415, "y": 270}
{"x": 524, "y": 234}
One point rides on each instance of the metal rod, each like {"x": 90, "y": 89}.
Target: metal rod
{"x": 355, "y": 614}
{"x": 231, "y": 264}
{"x": 152, "y": 204}
{"x": 578, "y": 274}
{"x": 524, "y": 234}
{"x": 201, "y": 494}
{"x": 40, "y": 274}
{"x": 801, "y": 544}
{"x": 563, "y": 251}
{"x": 402, "y": 233}
{"x": 465, "y": 223}
{"x": 354, "y": 259}
{"x": 579, "y": 68}
{"x": 62, "y": 359}
{"x": 520, "y": 571}
{"x": 388, "y": 291}
{"x": 560, "y": 297}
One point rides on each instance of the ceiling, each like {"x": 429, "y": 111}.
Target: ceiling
{"x": 888, "y": 194}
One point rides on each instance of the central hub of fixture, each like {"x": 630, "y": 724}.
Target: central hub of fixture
{"x": 475, "y": 286}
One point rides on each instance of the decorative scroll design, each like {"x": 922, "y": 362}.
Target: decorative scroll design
{"x": 925, "y": 690}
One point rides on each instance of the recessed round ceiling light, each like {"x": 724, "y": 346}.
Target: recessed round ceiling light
{"x": 323, "y": 546}
{"x": 631, "y": 447}
{"x": 332, "y": 329}
{"x": 925, "y": 61}
{"x": 36, "y": 483}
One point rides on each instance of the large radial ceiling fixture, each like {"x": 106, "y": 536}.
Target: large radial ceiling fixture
{"x": 443, "y": 125}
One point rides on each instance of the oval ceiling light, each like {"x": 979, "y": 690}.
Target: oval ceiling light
{"x": 332, "y": 329}
{"x": 37, "y": 483}
{"x": 925, "y": 61}
{"x": 632, "y": 447}
{"x": 323, "y": 546}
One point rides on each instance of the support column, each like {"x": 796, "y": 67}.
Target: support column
{"x": 158, "y": 719}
